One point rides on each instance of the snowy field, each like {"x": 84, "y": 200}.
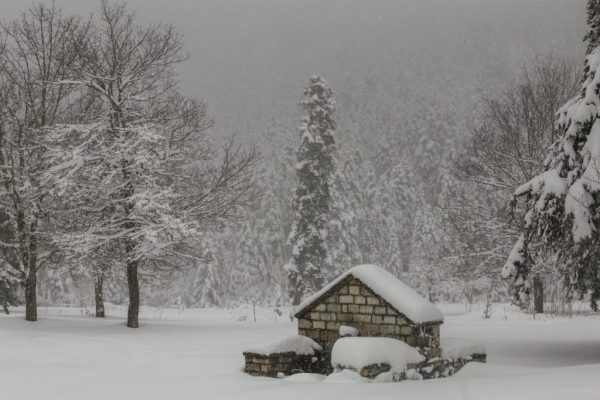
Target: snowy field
{"x": 197, "y": 354}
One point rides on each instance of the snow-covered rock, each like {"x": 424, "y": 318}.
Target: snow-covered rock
{"x": 348, "y": 331}
{"x": 358, "y": 352}
{"x": 453, "y": 348}
{"x": 298, "y": 344}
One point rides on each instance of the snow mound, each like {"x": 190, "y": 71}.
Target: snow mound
{"x": 305, "y": 377}
{"x": 358, "y": 352}
{"x": 453, "y": 348}
{"x": 298, "y": 344}
{"x": 348, "y": 331}
{"x": 395, "y": 292}
{"x": 345, "y": 376}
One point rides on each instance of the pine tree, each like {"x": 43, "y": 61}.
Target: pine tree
{"x": 342, "y": 228}
{"x": 563, "y": 203}
{"x": 400, "y": 201}
{"x": 425, "y": 274}
{"x": 312, "y": 197}
{"x": 592, "y": 36}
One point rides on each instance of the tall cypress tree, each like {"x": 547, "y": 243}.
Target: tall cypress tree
{"x": 563, "y": 203}
{"x": 312, "y": 196}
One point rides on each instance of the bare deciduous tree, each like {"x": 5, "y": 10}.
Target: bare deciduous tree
{"x": 145, "y": 171}
{"x": 39, "y": 48}
{"x": 508, "y": 148}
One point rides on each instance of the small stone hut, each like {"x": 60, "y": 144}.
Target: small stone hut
{"x": 374, "y": 303}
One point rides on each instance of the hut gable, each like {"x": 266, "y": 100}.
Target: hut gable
{"x": 374, "y": 303}
{"x": 350, "y": 296}
{"x": 385, "y": 286}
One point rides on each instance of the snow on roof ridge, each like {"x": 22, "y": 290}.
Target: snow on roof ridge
{"x": 399, "y": 295}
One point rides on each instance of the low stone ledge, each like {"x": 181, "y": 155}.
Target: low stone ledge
{"x": 441, "y": 368}
{"x": 371, "y": 371}
{"x": 289, "y": 363}
{"x": 430, "y": 369}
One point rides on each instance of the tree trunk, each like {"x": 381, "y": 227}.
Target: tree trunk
{"x": 538, "y": 295}
{"x": 31, "y": 296}
{"x": 134, "y": 294}
{"x": 5, "y": 307}
{"x": 31, "y": 279}
{"x": 297, "y": 297}
{"x": 98, "y": 292}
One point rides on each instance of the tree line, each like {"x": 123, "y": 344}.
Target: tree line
{"x": 110, "y": 171}
{"x": 104, "y": 164}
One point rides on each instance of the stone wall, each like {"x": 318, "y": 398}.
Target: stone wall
{"x": 353, "y": 304}
{"x": 429, "y": 369}
{"x": 442, "y": 368}
{"x": 285, "y": 363}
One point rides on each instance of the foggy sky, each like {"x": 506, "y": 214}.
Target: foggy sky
{"x": 251, "y": 58}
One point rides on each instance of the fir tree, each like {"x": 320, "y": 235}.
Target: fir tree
{"x": 342, "y": 228}
{"x": 592, "y": 36}
{"x": 563, "y": 203}
{"x": 312, "y": 197}
{"x": 401, "y": 195}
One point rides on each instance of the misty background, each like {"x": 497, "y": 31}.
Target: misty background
{"x": 250, "y": 59}
{"x": 408, "y": 77}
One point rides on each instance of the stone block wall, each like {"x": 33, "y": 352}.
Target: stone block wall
{"x": 286, "y": 363}
{"x": 429, "y": 369}
{"x": 442, "y": 368}
{"x": 353, "y": 304}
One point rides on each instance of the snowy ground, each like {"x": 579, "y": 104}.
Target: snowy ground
{"x": 197, "y": 354}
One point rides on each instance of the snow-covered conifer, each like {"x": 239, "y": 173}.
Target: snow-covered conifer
{"x": 563, "y": 202}
{"x": 312, "y": 196}
{"x": 342, "y": 227}
{"x": 592, "y": 36}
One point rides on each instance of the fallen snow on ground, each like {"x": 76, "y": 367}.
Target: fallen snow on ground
{"x": 197, "y": 354}
{"x": 345, "y": 376}
{"x": 453, "y": 348}
{"x": 297, "y": 344}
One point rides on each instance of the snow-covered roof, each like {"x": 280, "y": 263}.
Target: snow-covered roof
{"x": 404, "y": 299}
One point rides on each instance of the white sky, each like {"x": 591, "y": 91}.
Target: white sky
{"x": 250, "y": 58}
